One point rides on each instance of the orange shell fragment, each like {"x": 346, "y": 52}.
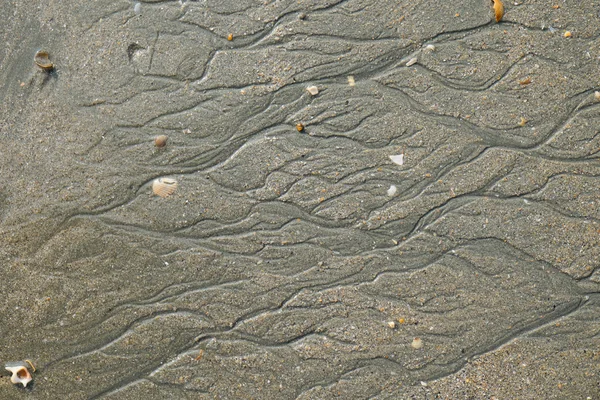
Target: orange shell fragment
{"x": 498, "y": 9}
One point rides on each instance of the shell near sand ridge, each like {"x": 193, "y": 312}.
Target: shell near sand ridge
{"x": 164, "y": 187}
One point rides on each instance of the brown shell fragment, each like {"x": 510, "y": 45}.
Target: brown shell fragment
{"x": 42, "y": 60}
{"x": 299, "y": 127}
{"x": 161, "y": 140}
{"x": 525, "y": 81}
{"x": 498, "y": 10}
{"x": 164, "y": 187}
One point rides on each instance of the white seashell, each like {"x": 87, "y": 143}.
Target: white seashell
{"x": 597, "y": 96}
{"x": 430, "y": 47}
{"x": 164, "y": 187}
{"x": 20, "y": 373}
{"x": 137, "y": 8}
{"x": 412, "y": 61}
{"x": 397, "y": 159}
{"x": 351, "y": 81}
{"x": 313, "y": 90}
{"x": 417, "y": 343}
{"x": 392, "y": 190}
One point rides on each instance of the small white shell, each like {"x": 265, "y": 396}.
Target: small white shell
{"x": 20, "y": 373}
{"x": 392, "y": 190}
{"x": 412, "y": 61}
{"x": 417, "y": 343}
{"x": 351, "y": 81}
{"x": 597, "y": 96}
{"x": 164, "y": 187}
{"x": 313, "y": 90}
{"x": 137, "y": 8}
{"x": 430, "y": 47}
{"x": 397, "y": 159}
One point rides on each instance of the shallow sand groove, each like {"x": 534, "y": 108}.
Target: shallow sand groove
{"x": 283, "y": 266}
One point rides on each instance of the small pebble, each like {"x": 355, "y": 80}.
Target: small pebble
{"x": 230, "y": 37}
{"x": 299, "y": 127}
{"x": 137, "y": 8}
{"x": 391, "y": 324}
{"x": 568, "y": 34}
{"x": 597, "y": 96}
{"x": 351, "y": 81}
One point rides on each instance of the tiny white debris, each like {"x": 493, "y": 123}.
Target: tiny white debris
{"x": 597, "y": 96}
{"x": 392, "y": 190}
{"x": 137, "y": 8}
{"x": 423, "y": 383}
{"x": 412, "y": 61}
{"x": 417, "y": 343}
{"x": 391, "y": 324}
{"x": 397, "y": 159}
{"x": 351, "y": 81}
{"x": 430, "y": 47}
{"x": 313, "y": 90}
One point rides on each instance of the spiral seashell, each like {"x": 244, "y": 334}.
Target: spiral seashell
{"x": 164, "y": 187}
{"x": 161, "y": 140}
{"x": 313, "y": 90}
{"x": 20, "y": 373}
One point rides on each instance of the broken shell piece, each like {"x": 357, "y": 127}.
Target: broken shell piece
{"x": 417, "y": 343}
{"x": 392, "y": 190}
{"x": 351, "y": 80}
{"x": 20, "y": 373}
{"x": 597, "y": 96}
{"x": 397, "y": 159}
{"x": 498, "y": 10}
{"x": 412, "y": 61}
{"x": 161, "y": 140}
{"x": 313, "y": 90}
{"x": 164, "y": 187}
{"x": 42, "y": 59}
{"x": 430, "y": 47}
{"x": 299, "y": 127}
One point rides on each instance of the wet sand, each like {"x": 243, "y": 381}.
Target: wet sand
{"x": 284, "y": 265}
